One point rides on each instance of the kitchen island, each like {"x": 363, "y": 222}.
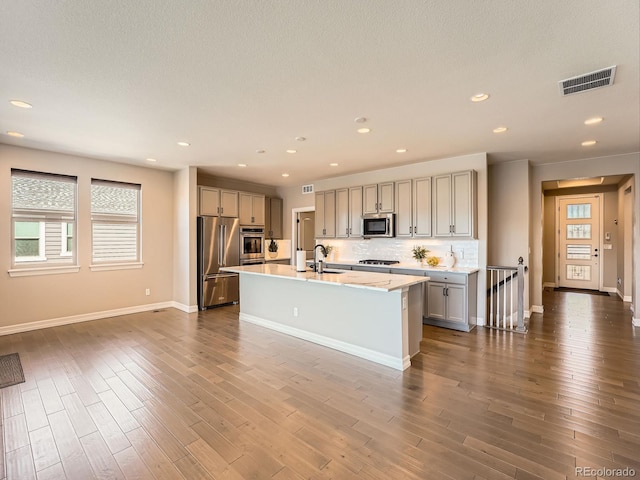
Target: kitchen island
{"x": 376, "y": 316}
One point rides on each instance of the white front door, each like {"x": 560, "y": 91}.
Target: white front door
{"x": 579, "y": 241}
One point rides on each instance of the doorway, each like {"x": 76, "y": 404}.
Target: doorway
{"x": 579, "y": 255}
{"x": 303, "y": 230}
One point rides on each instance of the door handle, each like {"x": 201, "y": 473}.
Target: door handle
{"x": 594, "y": 255}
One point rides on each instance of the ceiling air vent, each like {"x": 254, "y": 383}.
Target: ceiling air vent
{"x": 588, "y": 81}
{"x": 307, "y": 189}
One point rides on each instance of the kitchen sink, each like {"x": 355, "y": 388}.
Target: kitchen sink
{"x": 332, "y": 271}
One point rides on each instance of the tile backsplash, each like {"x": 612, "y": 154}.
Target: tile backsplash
{"x": 465, "y": 251}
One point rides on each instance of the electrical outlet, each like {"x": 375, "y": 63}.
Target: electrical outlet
{"x": 295, "y": 311}
{"x": 147, "y": 292}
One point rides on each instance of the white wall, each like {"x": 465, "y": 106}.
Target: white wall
{"x": 592, "y": 167}
{"x": 24, "y": 300}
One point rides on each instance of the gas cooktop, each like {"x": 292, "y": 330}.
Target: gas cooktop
{"x": 378, "y": 262}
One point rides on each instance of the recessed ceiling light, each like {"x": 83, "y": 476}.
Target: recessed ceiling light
{"x": 151, "y": 160}
{"x": 301, "y": 139}
{"x": 360, "y": 120}
{"x": 15, "y": 134}
{"x": 500, "y": 129}
{"x": 285, "y": 174}
{"x": 401, "y": 150}
{"x": 480, "y": 97}
{"x": 242, "y": 165}
{"x": 333, "y": 164}
{"x": 184, "y": 144}
{"x": 21, "y": 104}
{"x": 593, "y": 121}
{"x": 588, "y": 143}
{"x": 364, "y": 130}
{"x": 291, "y": 150}
{"x": 260, "y": 151}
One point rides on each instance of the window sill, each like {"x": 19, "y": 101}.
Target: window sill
{"x": 115, "y": 266}
{"x": 27, "y": 272}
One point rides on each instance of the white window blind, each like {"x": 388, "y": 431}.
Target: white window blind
{"x": 115, "y": 221}
{"x": 42, "y": 204}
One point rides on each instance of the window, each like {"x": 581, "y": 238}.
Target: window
{"x": 115, "y": 222}
{"x": 43, "y": 205}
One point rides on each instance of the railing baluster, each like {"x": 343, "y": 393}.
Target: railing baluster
{"x": 506, "y": 300}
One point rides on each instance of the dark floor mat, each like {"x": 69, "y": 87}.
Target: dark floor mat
{"x": 580, "y": 290}
{"x": 10, "y": 370}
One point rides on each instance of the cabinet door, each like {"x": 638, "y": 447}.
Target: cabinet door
{"x": 422, "y": 207}
{"x": 228, "y": 203}
{"x": 330, "y": 214}
{"x": 436, "y": 305}
{"x": 257, "y": 208}
{"x": 386, "y": 197}
{"x": 275, "y": 217}
{"x": 209, "y": 201}
{"x": 404, "y": 225}
{"x": 370, "y": 199}
{"x": 456, "y": 301}
{"x": 342, "y": 213}
{"x": 319, "y": 223}
{"x": 461, "y": 204}
{"x": 245, "y": 208}
{"x": 442, "y": 206}
{"x": 355, "y": 212}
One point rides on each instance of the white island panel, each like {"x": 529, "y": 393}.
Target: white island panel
{"x": 384, "y": 326}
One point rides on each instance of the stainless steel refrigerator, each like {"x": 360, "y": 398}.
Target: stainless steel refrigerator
{"x": 218, "y": 246}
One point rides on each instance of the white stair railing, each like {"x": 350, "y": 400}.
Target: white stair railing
{"x": 506, "y": 297}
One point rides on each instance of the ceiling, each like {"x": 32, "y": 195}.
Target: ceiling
{"x": 126, "y": 80}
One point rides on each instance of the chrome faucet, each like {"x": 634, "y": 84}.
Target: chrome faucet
{"x": 317, "y": 266}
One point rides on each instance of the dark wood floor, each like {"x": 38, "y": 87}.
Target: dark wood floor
{"x": 171, "y": 395}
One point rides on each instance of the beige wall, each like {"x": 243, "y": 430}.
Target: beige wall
{"x": 508, "y": 213}
{"x": 232, "y": 184}
{"x": 593, "y": 167}
{"x": 185, "y": 239}
{"x": 45, "y": 297}
{"x": 626, "y": 238}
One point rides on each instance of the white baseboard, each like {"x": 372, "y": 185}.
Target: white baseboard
{"x": 185, "y": 308}
{"x": 481, "y": 321}
{"x": 635, "y": 321}
{"x": 549, "y": 284}
{"x": 367, "y": 354}
{"x": 622, "y": 297}
{"x": 537, "y": 309}
{"x": 85, "y": 317}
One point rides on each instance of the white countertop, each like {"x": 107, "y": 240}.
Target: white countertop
{"x": 368, "y": 280}
{"x": 408, "y": 266}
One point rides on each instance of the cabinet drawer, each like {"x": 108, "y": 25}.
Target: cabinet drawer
{"x": 456, "y": 278}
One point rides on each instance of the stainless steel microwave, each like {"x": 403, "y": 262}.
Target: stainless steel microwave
{"x": 379, "y": 225}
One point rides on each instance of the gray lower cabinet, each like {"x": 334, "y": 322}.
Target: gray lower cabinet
{"x": 451, "y": 300}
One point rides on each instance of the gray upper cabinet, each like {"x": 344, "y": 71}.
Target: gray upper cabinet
{"x": 454, "y": 204}
{"x": 251, "y": 209}
{"x": 342, "y": 213}
{"x": 355, "y": 212}
{"x": 413, "y": 207}
{"x": 326, "y": 214}
{"x": 217, "y": 202}
{"x": 378, "y": 198}
{"x": 273, "y": 217}
{"x": 348, "y": 212}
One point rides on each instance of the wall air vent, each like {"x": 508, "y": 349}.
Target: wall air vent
{"x": 307, "y": 189}
{"x": 588, "y": 81}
